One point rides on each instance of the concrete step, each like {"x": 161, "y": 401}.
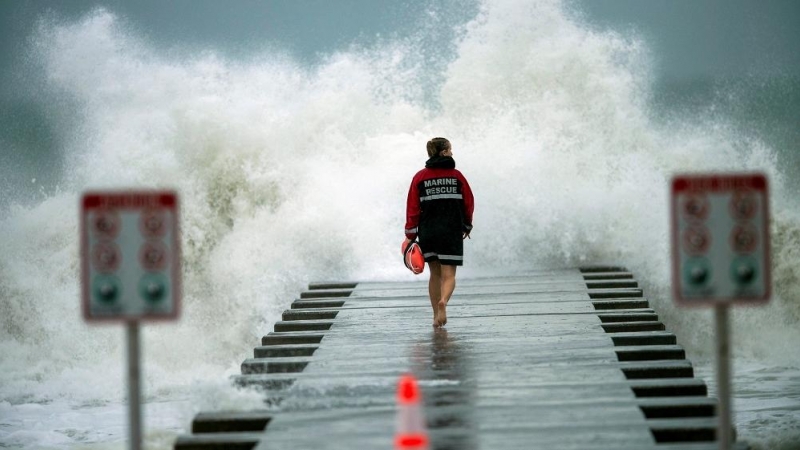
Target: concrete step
{"x": 683, "y": 430}
{"x": 657, "y": 369}
{"x": 631, "y": 316}
{"x": 306, "y": 304}
{"x": 264, "y": 382}
{"x": 615, "y": 293}
{"x": 518, "y": 293}
{"x": 365, "y": 348}
{"x": 274, "y": 365}
{"x": 602, "y": 305}
{"x": 581, "y": 361}
{"x": 327, "y": 285}
{"x": 457, "y": 308}
{"x": 701, "y": 446}
{"x": 285, "y": 350}
{"x": 677, "y": 407}
{"x": 593, "y": 276}
{"x": 302, "y": 325}
{"x": 218, "y": 441}
{"x": 299, "y": 314}
{"x": 611, "y": 284}
{"x": 628, "y": 327}
{"x": 480, "y": 288}
{"x": 650, "y": 352}
{"x": 641, "y": 388}
{"x": 231, "y": 421}
{"x": 668, "y": 387}
{"x": 326, "y": 293}
{"x": 643, "y": 338}
{"x": 548, "y": 278}
{"x": 601, "y": 269}
{"x": 296, "y": 337}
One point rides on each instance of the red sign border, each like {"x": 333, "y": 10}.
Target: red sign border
{"x": 167, "y": 199}
{"x": 716, "y": 181}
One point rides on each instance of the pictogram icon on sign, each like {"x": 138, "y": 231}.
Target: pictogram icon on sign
{"x": 106, "y": 256}
{"x": 697, "y": 272}
{"x": 106, "y": 288}
{"x": 152, "y": 224}
{"x": 696, "y": 239}
{"x": 106, "y": 224}
{"x": 744, "y": 238}
{"x": 153, "y": 255}
{"x": 695, "y": 207}
{"x": 744, "y": 270}
{"x": 743, "y": 205}
{"x": 153, "y": 287}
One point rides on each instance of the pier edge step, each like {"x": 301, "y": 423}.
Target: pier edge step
{"x": 218, "y": 441}
{"x": 230, "y": 421}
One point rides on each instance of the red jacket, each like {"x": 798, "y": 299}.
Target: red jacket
{"x": 439, "y": 199}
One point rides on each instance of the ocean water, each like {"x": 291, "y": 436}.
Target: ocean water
{"x": 291, "y": 172}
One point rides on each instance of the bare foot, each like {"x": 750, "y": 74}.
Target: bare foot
{"x": 441, "y": 313}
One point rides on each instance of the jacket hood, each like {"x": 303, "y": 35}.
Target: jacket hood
{"x": 440, "y": 162}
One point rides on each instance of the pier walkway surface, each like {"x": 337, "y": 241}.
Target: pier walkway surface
{"x": 563, "y": 359}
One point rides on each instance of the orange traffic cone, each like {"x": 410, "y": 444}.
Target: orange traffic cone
{"x": 410, "y": 424}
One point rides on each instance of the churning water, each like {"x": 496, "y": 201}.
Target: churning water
{"x": 292, "y": 172}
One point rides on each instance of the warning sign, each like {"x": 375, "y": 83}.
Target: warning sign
{"x": 130, "y": 255}
{"x": 720, "y": 239}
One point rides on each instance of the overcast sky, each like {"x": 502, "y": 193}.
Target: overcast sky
{"x": 688, "y": 37}
{"x": 711, "y": 37}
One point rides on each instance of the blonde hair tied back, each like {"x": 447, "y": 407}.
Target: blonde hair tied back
{"x": 437, "y": 145}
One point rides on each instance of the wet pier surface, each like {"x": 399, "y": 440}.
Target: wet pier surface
{"x": 565, "y": 359}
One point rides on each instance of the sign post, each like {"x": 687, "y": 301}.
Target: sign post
{"x": 130, "y": 270}
{"x": 725, "y": 428}
{"x": 720, "y": 257}
{"x": 134, "y": 386}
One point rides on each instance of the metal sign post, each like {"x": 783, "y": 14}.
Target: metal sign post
{"x": 134, "y": 388}
{"x": 130, "y": 270}
{"x": 724, "y": 431}
{"x": 720, "y": 257}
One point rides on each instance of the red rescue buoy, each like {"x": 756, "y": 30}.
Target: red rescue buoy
{"x": 412, "y": 257}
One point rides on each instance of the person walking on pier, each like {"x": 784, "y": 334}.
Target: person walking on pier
{"x": 439, "y": 212}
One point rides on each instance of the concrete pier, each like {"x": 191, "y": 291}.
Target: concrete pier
{"x": 562, "y": 359}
